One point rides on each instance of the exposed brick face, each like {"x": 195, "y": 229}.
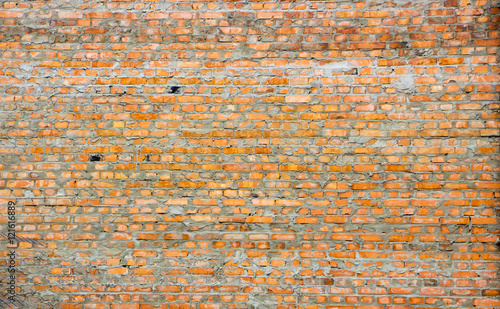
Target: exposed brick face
{"x": 251, "y": 154}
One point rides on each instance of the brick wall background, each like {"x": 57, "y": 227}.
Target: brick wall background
{"x": 251, "y": 154}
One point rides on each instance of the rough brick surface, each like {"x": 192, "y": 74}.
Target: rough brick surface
{"x": 251, "y": 154}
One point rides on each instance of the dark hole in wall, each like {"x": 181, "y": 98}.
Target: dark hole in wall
{"x": 95, "y": 158}
{"x": 174, "y": 89}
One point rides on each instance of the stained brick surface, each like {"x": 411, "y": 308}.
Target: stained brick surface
{"x": 251, "y": 154}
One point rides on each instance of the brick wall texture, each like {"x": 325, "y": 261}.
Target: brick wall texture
{"x": 251, "y": 154}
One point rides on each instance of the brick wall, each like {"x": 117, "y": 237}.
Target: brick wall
{"x": 251, "y": 154}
